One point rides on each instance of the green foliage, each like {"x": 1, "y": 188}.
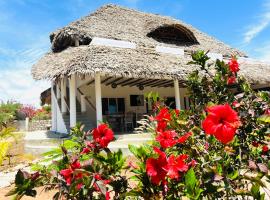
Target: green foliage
{"x": 8, "y": 113}
{"x": 24, "y": 185}
{"x": 192, "y": 185}
{"x": 5, "y": 134}
{"x": 4, "y": 146}
{"x": 94, "y": 173}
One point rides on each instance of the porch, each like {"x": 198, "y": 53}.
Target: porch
{"x": 116, "y": 100}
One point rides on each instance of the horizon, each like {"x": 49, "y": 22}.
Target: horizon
{"x": 26, "y": 24}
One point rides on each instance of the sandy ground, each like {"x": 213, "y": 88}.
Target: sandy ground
{"x": 41, "y": 195}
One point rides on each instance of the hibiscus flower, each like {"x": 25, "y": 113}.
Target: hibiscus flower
{"x": 265, "y": 148}
{"x": 233, "y": 65}
{"x": 184, "y": 138}
{"x": 162, "y": 118}
{"x": 103, "y": 135}
{"x": 231, "y": 80}
{"x": 69, "y": 173}
{"x": 167, "y": 138}
{"x": 155, "y": 167}
{"x": 222, "y": 122}
{"x": 176, "y": 165}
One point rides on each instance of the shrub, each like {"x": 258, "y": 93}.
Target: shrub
{"x": 28, "y": 111}
{"x": 41, "y": 114}
{"x": 218, "y": 149}
{"x": 8, "y": 113}
{"x": 82, "y": 168}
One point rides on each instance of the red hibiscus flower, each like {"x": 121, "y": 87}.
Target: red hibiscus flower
{"x": 86, "y": 150}
{"x": 265, "y": 148}
{"x": 155, "y": 167}
{"x": 69, "y": 173}
{"x": 162, "y": 118}
{"x": 234, "y": 66}
{"x": 167, "y": 138}
{"x": 103, "y": 135}
{"x": 222, "y": 122}
{"x": 231, "y": 80}
{"x": 184, "y": 137}
{"x": 176, "y": 165}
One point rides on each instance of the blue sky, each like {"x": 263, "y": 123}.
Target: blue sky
{"x": 25, "y": 26}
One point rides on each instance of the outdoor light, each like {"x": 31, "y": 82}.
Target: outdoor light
{"x": 114, "y": 85}
{"x": 141, "y": 87}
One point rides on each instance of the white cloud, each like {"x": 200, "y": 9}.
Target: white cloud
{"x": 16, "y": 82}
{"x": 263, "y": 52}
{"x": 262, "y": 23}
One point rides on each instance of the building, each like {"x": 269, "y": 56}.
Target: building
{"x": 102, "y": 64}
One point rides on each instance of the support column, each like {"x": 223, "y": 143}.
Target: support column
{"x": 58, "y": 95}
{"x": 177, "y": 95}
{"x": 63, "y": 95}
{"x": 98, "y": 98}
{"x": 83, "y": 104}
{"x": 54, "y": 117}
{"x": 72, "y": 100}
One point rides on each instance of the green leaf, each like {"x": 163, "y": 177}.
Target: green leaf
{"x": 190, "y": 180}
{"x": 19, "y": 178}
{"x": 264, "y": 118}
{"x": 11, "y": 192}
{"x": 3, "y": 150}
{"x": 233, "y": 175}
{"x": 192, "y": 185}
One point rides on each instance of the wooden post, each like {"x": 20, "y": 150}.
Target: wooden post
{"x": 177, "y": 95}
{"x": 63, "y": 95}
{"x": 53, "y": 103}
{"x": 72, "y": 100}
{"x": 98, "y": 98}
{"x": 58, "y": 95}
{"x": 83, "y": 103}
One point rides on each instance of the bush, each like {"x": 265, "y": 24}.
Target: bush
{"x": 41, "y": 114}
{"x": 82, "y": 168}
{"x": 8, "y": 113}
{"x": 218, "y": 149}
{"x": 28, "y": 111}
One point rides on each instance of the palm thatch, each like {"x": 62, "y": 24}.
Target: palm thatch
{"x": 145, "y": 30}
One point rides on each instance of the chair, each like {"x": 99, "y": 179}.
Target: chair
{"x": 129, "y": 122}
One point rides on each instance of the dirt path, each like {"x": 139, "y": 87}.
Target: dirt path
{"x": 41, "y": 195}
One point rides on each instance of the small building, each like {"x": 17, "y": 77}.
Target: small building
{"x": 101, "y": 65}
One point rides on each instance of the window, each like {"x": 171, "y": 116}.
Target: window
{"x": 173, "y": 34}
{"x": 113, "y": 105}
{"x": 170, "y": 102}
{"x": 136, "y": 100}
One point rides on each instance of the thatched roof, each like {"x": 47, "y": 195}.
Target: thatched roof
{"x": 114, "y": 22}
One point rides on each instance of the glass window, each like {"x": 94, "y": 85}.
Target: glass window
{"x": 105, "y": 106}
{"x": 113, "y": 105}
{"x": 121, "y": 105}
